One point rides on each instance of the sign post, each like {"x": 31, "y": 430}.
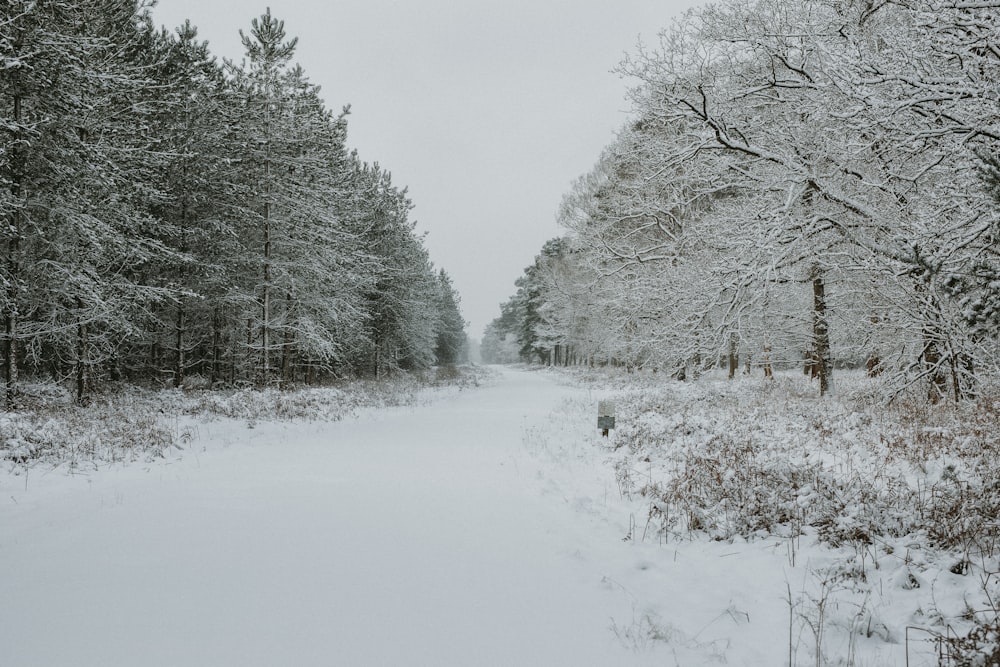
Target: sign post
{"x": 605, "y": 416}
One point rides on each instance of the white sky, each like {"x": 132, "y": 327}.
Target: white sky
{"x": 487, "y": 110}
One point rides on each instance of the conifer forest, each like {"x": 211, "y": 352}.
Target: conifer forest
{"x": 171, "y": 219}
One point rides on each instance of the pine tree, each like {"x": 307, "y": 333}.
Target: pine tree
{"x": 401, "y": 302}
{"x": 73, "y": 161}
{"x": 451, "y": 340}
{"x": 319, "y": 266}
{"x": 266, "y": 91}
{"x": 163, "y": 215}
{"x": 192, "y": 214}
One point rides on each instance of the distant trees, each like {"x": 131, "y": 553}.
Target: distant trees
{"x": 451, "y": 346}
{"x": 525, "y": 321}
{"x": 400, "y": 302}
{"x": 804, "y": 183}
{"x": 165, "y": 216}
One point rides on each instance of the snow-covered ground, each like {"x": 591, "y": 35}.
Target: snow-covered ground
{"x": 407, "y": 536}
{"x": 480, "y": 526}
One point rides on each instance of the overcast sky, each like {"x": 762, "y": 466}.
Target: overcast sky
{"x": 487, "y": 110}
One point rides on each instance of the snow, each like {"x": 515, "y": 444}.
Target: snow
{"x": 406, "y": 536}
{"x": 480, "y": 526}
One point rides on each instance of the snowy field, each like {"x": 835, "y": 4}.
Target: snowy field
{"x": 478, "y": 526}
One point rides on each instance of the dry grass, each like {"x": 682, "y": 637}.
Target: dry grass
{"x": 747, "y": 458}
{"x": 133, "y": 424}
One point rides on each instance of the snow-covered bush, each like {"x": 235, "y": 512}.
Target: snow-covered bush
{"x": 77, "y": 435}
{"x": 136, "y": 423}
{"x": 894, "y": 502}
{"x": 979, "y": 648}
{"x": 742, "y": 458}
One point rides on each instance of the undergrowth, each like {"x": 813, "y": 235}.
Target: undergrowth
{"x": 775, "y": 460}
{"x": 136, "y": 424}
{"x": 873, "y": 482}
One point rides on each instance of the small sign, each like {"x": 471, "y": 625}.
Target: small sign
{"x": 605, "y": 416}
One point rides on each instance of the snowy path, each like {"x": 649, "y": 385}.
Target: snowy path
{"x": 415, "y": 536}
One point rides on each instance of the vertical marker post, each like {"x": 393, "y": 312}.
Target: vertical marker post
{"x": 605, "y": 416}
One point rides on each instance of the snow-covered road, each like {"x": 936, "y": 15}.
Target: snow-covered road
{"x": 412, "y": 536}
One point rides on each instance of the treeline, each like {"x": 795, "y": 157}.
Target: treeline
{"x": 170, "y": 218}
{"x": 804, "y": 183}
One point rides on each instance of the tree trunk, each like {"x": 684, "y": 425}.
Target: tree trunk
{"x": 734, "y": 357}
{"x": 965, "y": 377}
{"x": 932, "y": 360}
{"x": 287, "y": 345}
{"x": 82, "y": 359}
{"x": 18, "y": 193}
{"x": 821, "y": 333}
{"x": 931, "y": 354}
{"x": 873, "y": 364}
{"x": 265, "y": 326}
{"x": 180, "y": 361}
{"x": 216, "y": 346}
{"x": 10, "y": 352}
{"x": 234, "y": 352}
{"x": 250, "y": 361}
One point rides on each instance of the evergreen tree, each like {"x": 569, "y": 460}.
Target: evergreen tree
{"x": 74, "y": 158}
{"x": 266, "y": 89}
{"x": 402, "y": 300}
{"x": 192, "y": 105}
{"x": 451, "y": 338}
{"x": 320, "y": 269}
{"x": 163, "y": 215}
